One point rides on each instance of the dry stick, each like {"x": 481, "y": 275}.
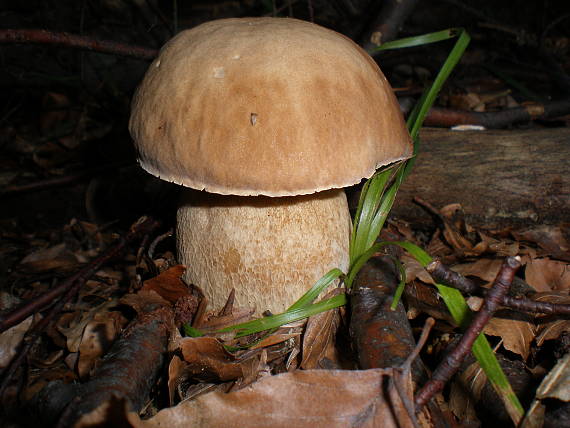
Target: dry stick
{"x": 50, "y": 183}
{"x": 444, "y": 275}
{"x": 497, "y": 119}
{"x": 72, "y": 40}
{"x": 387, "y": 24}
{"x": 143, "y": 227}
{"x": 453, "y": 360}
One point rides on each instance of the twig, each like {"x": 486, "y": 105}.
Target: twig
{"x": 72, "y": 40}
{"x": 387, "y": 24}
{"x": 143, "y": 227}
{"x": 49, "y": 183}
{"x": 453, "y": 360}
{"x": 444, "y": 275}
{"x": 498, "y": 119}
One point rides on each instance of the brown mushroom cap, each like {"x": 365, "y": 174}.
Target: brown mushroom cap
{"x": 265, "y": 106}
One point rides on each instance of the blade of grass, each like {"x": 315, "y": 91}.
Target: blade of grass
{"x": 482, "y": 350}
{"x": 255, "y": 326}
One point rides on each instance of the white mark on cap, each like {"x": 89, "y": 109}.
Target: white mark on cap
{"x": 253, "y": 118}
{"x": 157, "y": 64}
{"x": 236, "y": 56}
{"x": 219, "y": 72}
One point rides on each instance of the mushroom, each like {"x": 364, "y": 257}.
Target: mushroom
{"x": 266, "y": 120}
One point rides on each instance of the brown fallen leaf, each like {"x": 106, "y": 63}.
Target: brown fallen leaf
{"x": 320, "y": 334}
{"x": 551, "y": 327}
{"x": 517, "y": 333}
{"x": 486, "y": 269}
{"x": 548, "y": 275}
{"x": 169, "y": 284}
{"x": 554, "y": 386}
{"x": 97, "y": 337}
{"x": 207, "y": 359}
{"x": 312, "y": 399}
{"x": 10, "y": 341}
{"x": 553, "y": 240}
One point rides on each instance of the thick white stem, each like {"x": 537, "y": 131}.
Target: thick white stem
{"x": 270, "y": 250}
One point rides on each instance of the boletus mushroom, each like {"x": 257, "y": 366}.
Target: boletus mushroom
{"x": 267, "y": 120}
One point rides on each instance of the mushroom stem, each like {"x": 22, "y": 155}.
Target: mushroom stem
{"x": 270, "y": 250}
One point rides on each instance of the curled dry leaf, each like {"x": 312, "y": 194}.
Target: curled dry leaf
{"x": 548, "y": 275}
{"x": 11, "y": 339}
{"x": 550, "y": 328}
{"x": 312, "y": 399}
{"x": 72, "y": 326}
{"x": 515, "y": 329}
{"x": 168, "y": 284}
{"x": 486, "y": 269}
{"x": 555, "y": 386}
{"x": 206, "y": 359}
{"x": 553, "y": 240}
{"x": 466, "y": 390}
{"x": 320, "y": 334}
{"x": 97, "y": 337}
{"x": 57, "y": 258}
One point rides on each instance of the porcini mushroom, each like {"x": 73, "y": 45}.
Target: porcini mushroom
{"x": 267, "y": 119}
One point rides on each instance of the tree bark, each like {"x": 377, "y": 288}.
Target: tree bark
{"x": 515, "y": 178}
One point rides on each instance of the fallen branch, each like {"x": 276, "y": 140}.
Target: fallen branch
{"x": 38, "y": 36}
{"x": 143, "y": 227}
{"x": 444, "y": 275}
{"x": 449, "y": 366}
{"x": 441, "y": 117}
{"x": 388, "y": 23}
{"x": 126, "y": 374}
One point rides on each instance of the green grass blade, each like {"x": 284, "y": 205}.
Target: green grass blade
{"x": 274, "y": 321}
{"x": 427, "y": 101}
{"x": 316, "y": 289}
{"x": 420, "y": 40}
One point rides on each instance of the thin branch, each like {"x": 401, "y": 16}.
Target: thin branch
{"x": 453, "y": 360}
{"x": 497, "y": 119}
{"x": 444, "y": 275}
{"x": 38, "y": 36}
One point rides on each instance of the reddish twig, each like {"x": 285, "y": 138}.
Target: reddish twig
{"x": 453, "y": 360}
{"x": 143, "y": 227}
{"x": 72, "y": 40}
{"x": 444, "y": 275}
{"x": 497, "y": 119}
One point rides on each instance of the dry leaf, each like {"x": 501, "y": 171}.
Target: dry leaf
{"x": 320, "y": 334}
{"x": 10, "y": 341}
{"x": 554, "y": 386}
{"x": 517, "y": 334}
{"x": 466, "y": 392}
{"x": 486, "y": 269}
{"x": 98, "y": 335}
{"x": 548, "y": 275}
{"x": 311, "y": 399}
{"x": 208, "y": 360}
{"x": 552, "y": 239}
{"x": 169, "y": 284}
{"x": 551, "y": 327}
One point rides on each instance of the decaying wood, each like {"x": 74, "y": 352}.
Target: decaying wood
{"x": 382, "y": 337}
{"x": 501, "y": 178}
{"x": 127, "y": 372}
